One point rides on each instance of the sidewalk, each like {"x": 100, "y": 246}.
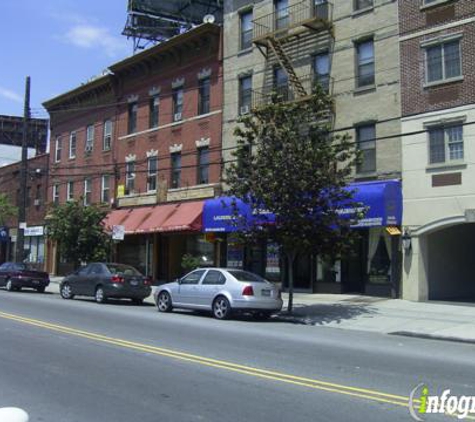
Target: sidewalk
{"x": 440, "y": 320}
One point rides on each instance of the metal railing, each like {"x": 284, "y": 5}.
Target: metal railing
{"x": 292, "y": 16}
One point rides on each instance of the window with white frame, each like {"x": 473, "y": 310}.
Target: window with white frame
{"x": 177, "y": 98}
{"x": 56, "y": 194}
{"x": 87, "y": 191}
{"x": 105, "y": 188}
{"x": 365, "y": 63}
{"x": 153, "y": 110}
{"x": 246, "y": 29}
{"x": 245, "y": 94}
{"x": 445, "y": 143}
{"x": 203, "y": 165}
{"x": 321, "y": 68}
{"x": 132, "y": 117}
{"x": 152, "y": 168}
{"x": 70, "y": 191}
{"x": 129, "y": 177}
{"x": 176, "y": 170}
{"x": 107, "y": 139}
{"x": 89, "y": 138}
{"x": 366, "y": 144}
{"x": 72, "y": 144}
{"x": 443, "y": 61}
{"x": 57, "y": 151}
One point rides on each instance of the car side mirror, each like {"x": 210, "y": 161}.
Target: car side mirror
{"x": 178, "y": 280}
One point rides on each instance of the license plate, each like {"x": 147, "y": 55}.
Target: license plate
{"x": 265, "y": 292}
{"x": 36, "y": 281}
{"x": 134, "y": 282}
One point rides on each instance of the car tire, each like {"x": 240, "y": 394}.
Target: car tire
{"x": 137, "y": 301}
{"x": 100, "y": 295}
{"x": 221, "y": 308}
{"x": 66, "y": 292}
{"x": 9, "y": 285}
{"x": 41, "y": 289}
{"x": 164, "y": 302}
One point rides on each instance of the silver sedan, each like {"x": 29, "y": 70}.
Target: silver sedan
{"x": 222, "y": 291}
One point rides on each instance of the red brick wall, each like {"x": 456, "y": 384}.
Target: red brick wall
{"x": 415, "y": 98}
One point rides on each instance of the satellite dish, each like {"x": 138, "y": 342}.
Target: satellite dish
{"x": 209, "y": 19}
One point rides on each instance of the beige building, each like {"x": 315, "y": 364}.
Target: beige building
{"x": 351, "y": 48}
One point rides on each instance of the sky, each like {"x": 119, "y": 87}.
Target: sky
{"x": 59, "y": 44}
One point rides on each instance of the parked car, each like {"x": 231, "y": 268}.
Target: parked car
{"x": 103, "y": 280}
{"x": 222, "y": 291}
{"x": 16, "y": 275}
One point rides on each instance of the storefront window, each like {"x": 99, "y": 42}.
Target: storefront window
{"x": 197, "y": 245}
{"x": 235, "y": 255}
{"x": 379, "y": 253}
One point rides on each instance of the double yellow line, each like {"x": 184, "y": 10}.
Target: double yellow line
{"x": 215, "y": 363}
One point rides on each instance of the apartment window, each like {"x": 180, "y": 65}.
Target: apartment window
{"x": 107, "y": 140}
{"x": 72, "y": 144}
{"x": 105, "y": 188}
{"x": 443, "y": 61}
{"x": 245, "y": 94}
{"x": 204, "y": 96}
{"x": 57, "y": 151}
{"x": 87, "y": 191}
{"x": 177, "y": 104}
{"x": 362, "y": 4}
{"x": 445, "y": 143}
{"x": 132, "y": 118}
{"x": 366, "y": 143}
{"x": 89, "y": 138}
{"x": 365, "y": 63}
{"x": 176, "y": 169}
{"x": 152, "y": 168}
{"x": 322, "y": 70}
{"x": 56, "y": 194}
{"x": 281, "y": 14}
{"x": 70, "y": 191}
{"x": 322, "y": 9}
{"x": 154, "y": 111}
{"x": 281, "y": 83}
{"x": 129, "y": 177}
{"x": 246, "y": 29}
{"x": 203, "y": 165}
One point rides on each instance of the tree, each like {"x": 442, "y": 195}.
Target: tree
{"x": 288, "y": 163}
{"x": 79, "y": 232}
{"x": 7, "y": 210}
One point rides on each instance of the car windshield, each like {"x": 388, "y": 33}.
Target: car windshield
{"x": 122, "y": 269}
{"x": 246, "y": 276}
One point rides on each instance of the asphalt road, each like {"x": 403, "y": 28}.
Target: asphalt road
{"x": 79, "y": 361}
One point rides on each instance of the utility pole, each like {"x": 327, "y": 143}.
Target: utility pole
{"x": 20, "y": 241}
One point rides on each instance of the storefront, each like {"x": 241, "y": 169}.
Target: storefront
{"x": 373, "y": 267}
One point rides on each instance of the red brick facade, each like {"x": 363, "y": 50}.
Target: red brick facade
{"x": 417, "y": 25}
{"x": 108, "y": 97}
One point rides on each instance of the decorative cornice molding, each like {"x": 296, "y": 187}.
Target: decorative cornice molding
{"x": 131, "y": 157}
{"x": 204, "y": 73}
{"x": 176, "y": 148}
{"x": 152, "y": 153}
{"x": 154, "y": 91}
{"x": 178, "y": 82}
{"x": 132, "y": 98}
{"x": 203, "y": 142}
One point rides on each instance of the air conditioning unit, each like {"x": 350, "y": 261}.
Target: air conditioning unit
{"x": 244, "y": 109}
{"x": 36, "y": 202}
{"x": 177, "y": 117}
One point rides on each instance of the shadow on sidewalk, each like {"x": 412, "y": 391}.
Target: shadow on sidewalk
{"x": 323, "y": 314}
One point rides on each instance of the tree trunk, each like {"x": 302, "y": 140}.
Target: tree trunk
{"x": 290, "y": 261}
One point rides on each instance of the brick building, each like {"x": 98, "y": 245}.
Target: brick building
{"x": 144, "y": 139}
{"x": 36, "y": 193}
{"x": 438, "y": 113}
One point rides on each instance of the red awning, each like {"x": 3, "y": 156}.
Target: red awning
{"x": 185, "y": 216}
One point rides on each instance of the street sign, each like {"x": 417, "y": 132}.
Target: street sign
{"x": 118, "y": 232}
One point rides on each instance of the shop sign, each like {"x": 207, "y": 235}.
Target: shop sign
{"x": 34, "y": 231}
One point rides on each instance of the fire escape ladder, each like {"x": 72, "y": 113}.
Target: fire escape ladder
{"x": 286, "y": 64}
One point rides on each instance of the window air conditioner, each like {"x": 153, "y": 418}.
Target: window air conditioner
{"x": 244, "y": 109}
{"x": 177, "y": 117}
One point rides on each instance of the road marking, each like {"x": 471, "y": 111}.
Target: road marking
{"x": 364, "y": 393}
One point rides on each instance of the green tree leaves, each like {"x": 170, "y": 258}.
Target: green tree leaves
{"x": 7, "y": 210}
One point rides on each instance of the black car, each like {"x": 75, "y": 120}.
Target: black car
{"x": 16, "y": 275}
{"x": 104, "y": 280}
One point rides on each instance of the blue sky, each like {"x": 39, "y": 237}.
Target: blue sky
{"x": 59, "y": 44}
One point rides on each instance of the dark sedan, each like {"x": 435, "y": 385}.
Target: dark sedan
{"x": 106, "y": 280}
{"x": 16, "y": 275}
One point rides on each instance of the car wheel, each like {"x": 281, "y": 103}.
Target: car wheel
{"x": 137, "y": 301}
{"x": 9, "y": 286}
{"x": 100, "y": 296}
{"x": 66, "y": 292}
{"x": 221, "y": 308}
{"x": 41, "y": 289}
{"x": 164, "y": 302}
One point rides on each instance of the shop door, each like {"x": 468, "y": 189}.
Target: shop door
{"x": 353, "y": 268}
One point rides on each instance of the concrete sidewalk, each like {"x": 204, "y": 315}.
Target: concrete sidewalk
{"x": 439, "y": 320}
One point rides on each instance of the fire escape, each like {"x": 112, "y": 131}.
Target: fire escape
{"x": 273, "y": 31}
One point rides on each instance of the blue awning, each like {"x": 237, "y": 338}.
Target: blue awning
{"x": 383, "y": 200}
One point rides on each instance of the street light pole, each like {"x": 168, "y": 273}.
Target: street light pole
{"x": 23, "y": 175}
